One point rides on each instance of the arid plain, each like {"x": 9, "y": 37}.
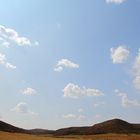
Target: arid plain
{"x": 16, "y": 136}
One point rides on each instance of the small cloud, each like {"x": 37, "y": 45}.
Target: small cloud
{"x": 10, "y": 35}
{"x": 65, "y": 63}
{"x": 9, "y": 65}
{"x": 119, "y": 54}
{"x": 127, "y": 102}
{"x": 58, "y": 69}
{"x": 29, "y": 91}
{"x": 69, "y": 116}
{"x": 74, "y": 91}
{"x": 3, "y": 61}
{"x": 23, "y": 108}
{"x": 115, "y": 1}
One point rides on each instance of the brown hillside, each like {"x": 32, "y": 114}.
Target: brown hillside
{"x": 110, "y": 126}
{"x": 10, "y": 128}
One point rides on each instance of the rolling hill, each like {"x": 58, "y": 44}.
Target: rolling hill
{"x": 10, "y": 128}
{"x": 111, "y": 126}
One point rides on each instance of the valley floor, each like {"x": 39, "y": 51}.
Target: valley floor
{"x": 15, "y": 136}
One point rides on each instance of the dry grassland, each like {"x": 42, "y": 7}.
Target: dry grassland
{"x": 15, "y": 136}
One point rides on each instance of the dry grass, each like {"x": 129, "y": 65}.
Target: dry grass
{"x": 15, "y": 136}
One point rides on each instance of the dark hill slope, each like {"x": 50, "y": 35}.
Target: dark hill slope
{"x": 110, "y": 126}
{"x": 41, "y": 131}
{"x": 10, "y": 128}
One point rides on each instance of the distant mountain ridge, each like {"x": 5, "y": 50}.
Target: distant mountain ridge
{"x": 10, "y": 128}
{"x": 111, "y": 126}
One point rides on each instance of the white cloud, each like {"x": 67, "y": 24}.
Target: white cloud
{"x": 11, "y": 35}
{"x": 29, "y": 91}
{"x": 69, "y": 116}
{"x": 23, "y": 108}
{"x": 9, "y": 65}
{"x": 2, "y": 58}
{"x": 58, "y": 69}
{"x": 4, "y": 62}
{"x": 4, "y": 43}
{"x": 119, "y": 54}
{"x": 74, "y": 91}
{"x": 65, "y": 63}
{"x": 115, "y": 1}
{"x": 127, "y": 102}
{"x": 136, "y": 71}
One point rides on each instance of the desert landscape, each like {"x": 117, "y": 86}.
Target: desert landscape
{"x": 114, "y": 129}
{"x": 17, "y": 136}
{"x": 69, "y": 70}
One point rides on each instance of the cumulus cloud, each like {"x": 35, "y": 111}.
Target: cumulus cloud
{"x": 3, "y": 61}
{"x": 23, "y": 108}
{"x": 127, "y": 102}
{"x": 65, "y": 63}
{"x": 119, "y": 54}
{"x": 74, "y": 91}
{"x": 115, "y": 1}
{"x": 136, "y": 71}
{"x": 10, "y": 35}
{"x": 29, "y": 91}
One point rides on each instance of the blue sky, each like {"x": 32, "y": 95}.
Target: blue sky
{"x": 69, "y": 63}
